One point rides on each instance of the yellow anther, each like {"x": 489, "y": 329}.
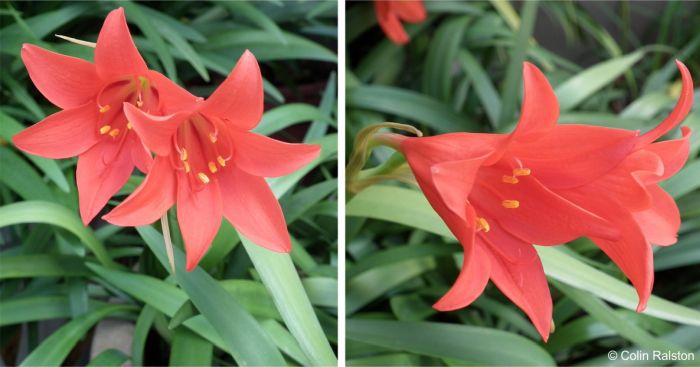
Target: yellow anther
{"x": 212, "y": 167}
{"x": 187, "y": 166}
{"x": 510, "y": 179}
{"x": 105, "y": 129}
{"x": 104, "y": 108}
{"x": 183, "y": 154}
{"x": 202, "y": 177}
{"x": 481, "y": 223}
{"x": 212, "y": 138}
{"x": 129, "y": 125}
{"x": 521, "y": 172}
{"x": 510, "y": 204}
{"x": 221, "y": 161}
{"x": 139, "y": 103}
{"x": 114, "y": 132}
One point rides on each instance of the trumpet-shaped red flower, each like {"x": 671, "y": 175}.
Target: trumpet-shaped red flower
{"x": 92, "y": 124}
{"x": 390, "y": 13}
{"x": 211, "y": 165}
{"x": 547, "y": 184}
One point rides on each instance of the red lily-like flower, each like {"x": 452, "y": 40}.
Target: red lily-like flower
{"x": 390, "y": 13}
{"x": 548, "y": 184}
{"x": 92, "y": 124}
{"x": 211, "y": 165}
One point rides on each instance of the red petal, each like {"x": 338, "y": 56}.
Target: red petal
{"x": 661, "y": 222}
{"x": 150, "y": 200}
{"x": 199, "y": 216}
{"x": 239, "y": 99}
{"x": 64, "y": 134}
{"x": 572, "y": 155}
{"x": 411, "y": 11}
{"x": 454, "y": 181}
{"x": 470, "y": 283}
{"x": 262, "y": 156}
{"x": 66, "y": 81}
{"x": 116, "y": 54}
{"x": 524, "y": 283}
{"x": 540, "y": 109}
{"x": 428, "y": 151}
{"x": 101, "y": 172}
{"x": 685, "y": 102}
{"x": 673, "y": 153}
{"x": 253, "y": 210}
{"x": 505, "y": 244}
{"x": 631, "y": 252}
{"x": 140, "y": 155}
{"x": 155, "y": 131}
{"x": 533, "y": 221}
{"x": 172, "y": 97}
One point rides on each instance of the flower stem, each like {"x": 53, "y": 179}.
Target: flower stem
{"x": 168, "y": 242}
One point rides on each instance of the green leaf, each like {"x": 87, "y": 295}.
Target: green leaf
{"x": 135, "y": 14}
{"x": 322, "y": 291}
{"x": 35, "y": 308}
{"x": 190, "y": 349}
{"x": 584, "y": 84}
{"x": 29, "y": 266}
{"x": 482, "y": 85}
{"x": 50, "y": 213}
{"x": 141, "y": 330}
{"x": 54, "y": 349}
{"x": 282, "y": 280}
{"x": 404, "y": 206}
{"x": 109, "y": 358}
{"x": 329, "y": 148}
{"x": 408, "y": 105}
{"x": 438, "y": 74}
{"x": 279, "y": 118}
{"x": 21, "y": 178}
{"x": 256, "y": 16}
{"x": 684, "y": 181}
{"x": 477, "y": 345}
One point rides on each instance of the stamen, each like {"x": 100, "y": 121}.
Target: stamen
{"x": 521, "y": 172}
{"x": 129, "y": 125}
{"x": 139, "y": 103}
{"x": 212, "y": 138}
{"x": 105, "y": 129}
{"x": 187, "y": 166}
{"x": 212, "y": 167}
{"x": 481, "y": 223}
{"x": 221, "y": 161}
{"x": 510, "y": 204}
{"x": 114, "y": 132}
{"x": 104, "y": 108}
{"x": 204, "y": 178}
{"x": 183, "y": 154}
{"x": 510, "y": 179}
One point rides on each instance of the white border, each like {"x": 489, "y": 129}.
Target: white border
{"x": 341, "y": 182}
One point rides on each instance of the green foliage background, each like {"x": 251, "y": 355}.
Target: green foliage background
{"x": 462, "y": 72}
{"x": 243, "y": 305}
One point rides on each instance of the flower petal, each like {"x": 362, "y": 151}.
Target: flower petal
{"x": 673, "y": 153}
{"x": 532, "y": 221}
{"x": 631, "y": 252}
{"x": 661, "y": 222}
{"x": 199, "y": 216}
{"x": 454, "y": 181}
{"x": 239, "y": 99}
{"x": 66, "y": 81}
{"x": 155, "y": 131}
{"x": 680, "y": 111}
{"x": 525, "y": 284}
{"x": 431, "y": 150}
{"x": 253, "y": 210}
{"x": 172, "y": 98}
{"x": 411, "y": 11}
{"x": 540, "y": 109}
{"x": 266, "y": 157}
{"x": 572, "y": 155}
{"x": 150, "y": 200}
{"x": 101, "y": 172}
{"x": 64, "y": 134}
{"x": 116, "y": 54}
{"x": 470, "y": 283}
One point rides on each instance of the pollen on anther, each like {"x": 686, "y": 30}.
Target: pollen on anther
{"x": 203, "y": 177}
{"x": 521, "y": 172}
{"x": 510, "y": 179}
{"x": 183, "y": 154}
{"x": 139, "y": 103}
{"x": 105, "y": 129}
{"x": 510, "y": 204}
{"x": 481, "y": 223}
{"x": 212, "y": 167}
{"x": 104, "y": 108}
{"x": 212, "y": 138}
{"x": 187, "y": 166}
{"x": 129, "y": 125}
{"x": 114, "y": 132}
{"x": 221, "y": 161}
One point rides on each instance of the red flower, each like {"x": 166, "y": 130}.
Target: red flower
{"x": 211, "y": 165}
{"x": 547, "y": 184}
{"x": 390, "y": 13}
{"x": 92, "y": 124}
